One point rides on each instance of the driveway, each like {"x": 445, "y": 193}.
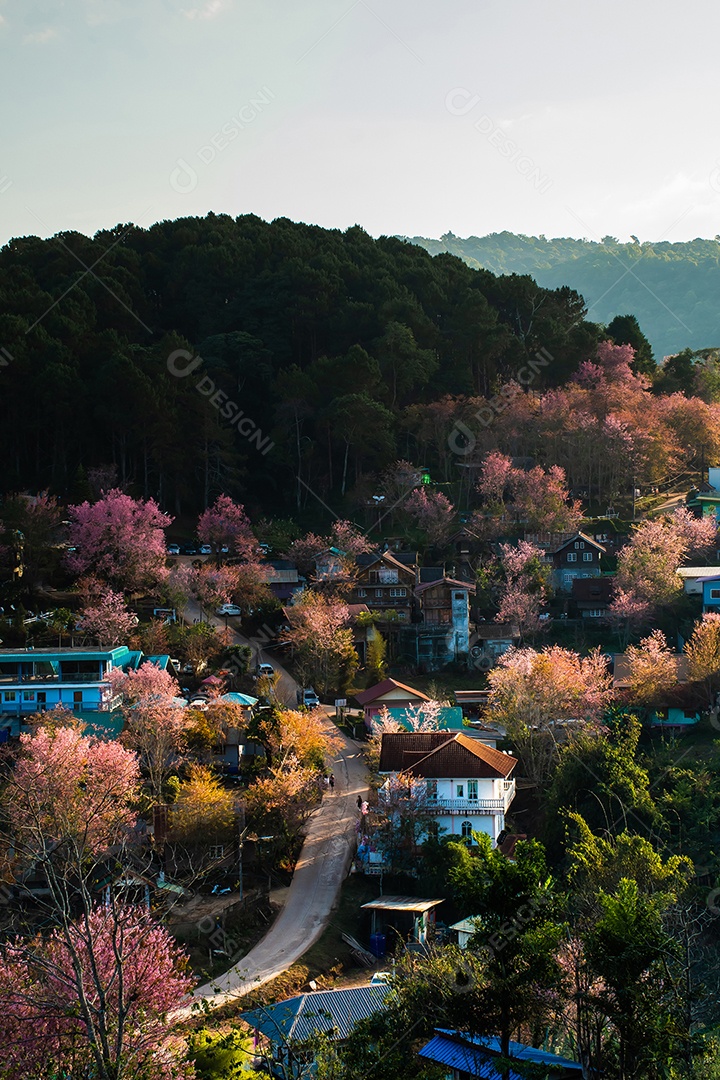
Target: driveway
{"x": 320, "y": 871}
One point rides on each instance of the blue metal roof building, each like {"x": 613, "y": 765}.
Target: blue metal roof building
{"x": 468, "y": 1056}
{"x": 327, "y": 1012}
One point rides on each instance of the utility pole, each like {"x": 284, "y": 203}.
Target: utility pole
{"x": 242, "y": 832}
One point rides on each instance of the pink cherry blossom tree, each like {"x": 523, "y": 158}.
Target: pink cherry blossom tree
{"x": 119, "y": 539}
{"x": 92, "y": 997}
{"x": 653, "y": 669}
{"x": 526, "y": 586}
{"x": 544, "y": 698}
{"x": 537, "y": 498}
{"x": 611, "y": 363}
{"x": 628, "y": 612}
{"x": 210, "y": 586}
{"x": 74, "y": 792}
{"x": 156, "y": 726}
{"x": 320, "y": 634}
{"x": 89, "y": 995}
{"x": 647, "y": 565}
{"x": 495, "y": 476}
{"x": 344, "y": 536}
{"x": 347, "y": 538}
{"x": 106, "y": 617}
{"x": 699, "y": 533}
{"x": 226, "y": 525}
{"x": 433, "y": 513}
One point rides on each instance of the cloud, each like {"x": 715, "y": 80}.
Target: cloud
{"x": 208, "y": 11}
{"x": 41, "y": 36}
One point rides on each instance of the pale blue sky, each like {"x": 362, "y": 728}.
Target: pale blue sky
{"x": 404, "y": 116}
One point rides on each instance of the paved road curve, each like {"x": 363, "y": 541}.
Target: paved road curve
{"x": 320, "y": 871}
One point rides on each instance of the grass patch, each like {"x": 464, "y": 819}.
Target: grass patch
{"x": 329, "y": 961}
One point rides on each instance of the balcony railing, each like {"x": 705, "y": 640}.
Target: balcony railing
{"x": 76, "y": 677}
{"x": 455, "y": 806}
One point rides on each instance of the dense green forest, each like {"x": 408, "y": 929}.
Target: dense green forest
{"x": 672, "y": 289}
{"x": 329, "y": 343}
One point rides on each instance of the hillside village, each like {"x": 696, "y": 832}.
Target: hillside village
{"x": 494, "y": 685}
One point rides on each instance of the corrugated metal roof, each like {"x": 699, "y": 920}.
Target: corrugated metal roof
{"x": 401, "y": 903}
{"x": 466, "y": 926}
{"x": 332, "y": 1012}
{"x": 476, "y": 1055}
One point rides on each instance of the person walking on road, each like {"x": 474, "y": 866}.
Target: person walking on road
{"x": 359, "y": 802}
{"x": 332, "y": 781}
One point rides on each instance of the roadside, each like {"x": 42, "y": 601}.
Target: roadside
{"x": 321, "y": 868}
{"x": 322, "y": 865}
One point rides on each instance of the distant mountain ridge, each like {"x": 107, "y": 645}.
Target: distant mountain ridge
{"x": 672, "y": 289}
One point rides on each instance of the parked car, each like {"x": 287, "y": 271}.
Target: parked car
{"x": 188, "y": 549}
{"x": 266, "y": 669}
{"x": 173, "y": 549}
{"x": 205, "y": 549}
{"x": 229, "y": 609}
{"x": 309, "y": 698}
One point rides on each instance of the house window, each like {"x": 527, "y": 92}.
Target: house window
{"x": 77, "y": 697}
{"x": 715, "y": 594}
{"x": 472, "y": 790}
{"x": 587, "y": 556}
{"x": 362, "y": 592}
{"x": 460, "y": 791}
{"x": 594, "y": 613}
{"x": 572, "y": 557}
{"x": 398, "y": 592}
{"x": 466, "y": 830}
{"x": 431, "y": 789}
{"x": 28, "y": 695}
{"x": 10, "y": 695}
{"x": 216, "y": 851}
{"x": 379, "y": 594}
{"x": 459, "y": 595}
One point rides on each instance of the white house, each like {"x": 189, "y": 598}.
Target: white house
{"x": 465, "y": 784}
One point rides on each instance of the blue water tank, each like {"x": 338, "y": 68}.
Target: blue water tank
{"x": 377, "y": 945}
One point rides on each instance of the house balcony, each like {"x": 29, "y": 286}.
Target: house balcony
{"x": 477, "y": 806}
{"x": 79, "y": 678}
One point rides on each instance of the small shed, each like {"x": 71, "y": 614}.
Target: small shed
{"x": 410, "y": 916}
{"x": 464, "y": 930}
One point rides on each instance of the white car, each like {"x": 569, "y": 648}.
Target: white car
{"x": 266, "y": 669}
{"x": 173, "y": 549}
{"x": 229, "y": 609}
{"x": 206, "y": 549}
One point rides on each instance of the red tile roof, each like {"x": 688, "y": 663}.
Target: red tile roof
{"x": 380, "y": 689}
{"x": 436, "y": 754}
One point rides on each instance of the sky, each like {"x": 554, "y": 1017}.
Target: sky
{"x": 410, "y": 117}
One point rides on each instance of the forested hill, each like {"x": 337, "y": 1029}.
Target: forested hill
{"x": 672, "y": 289}
{"x": 326, "y": 341}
